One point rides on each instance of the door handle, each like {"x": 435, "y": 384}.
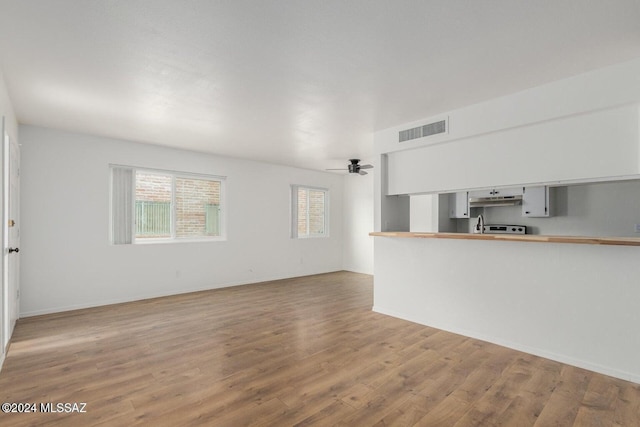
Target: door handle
{"x": 16, "y": 250}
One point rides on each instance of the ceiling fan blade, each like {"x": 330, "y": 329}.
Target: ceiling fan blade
{"x": 366, "y": 167}
{"x": 363, "y": 173}
{"x": 336, "y": 169}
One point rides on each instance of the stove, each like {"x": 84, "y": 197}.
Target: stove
{"x": 505, "y": 229}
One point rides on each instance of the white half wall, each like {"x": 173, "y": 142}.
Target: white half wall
{"x": 68, "y": 262}
{"x": 577, "y": 304}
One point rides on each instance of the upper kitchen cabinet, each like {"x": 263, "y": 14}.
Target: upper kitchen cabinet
{"x": 459, "y": 205}
{"x": 535, "y": 202}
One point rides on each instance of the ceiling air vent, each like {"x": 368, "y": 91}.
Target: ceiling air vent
{"x": 422, "y": 131}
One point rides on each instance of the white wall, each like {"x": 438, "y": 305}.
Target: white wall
{"x": 601, "y": 144}
{"x": 67, "y": 261}
{"x": 578, "y": 304}
{"x": 358, "y": 221}
{"x": 598, "y": 90}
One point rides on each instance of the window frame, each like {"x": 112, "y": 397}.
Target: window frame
{"x": 294, "y": 211}
{"x": 174, "y": 176}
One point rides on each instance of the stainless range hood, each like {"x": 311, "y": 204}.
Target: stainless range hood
{"x": 486, "y": 202}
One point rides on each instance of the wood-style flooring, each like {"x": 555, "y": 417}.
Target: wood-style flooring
{"x": 304, "y": 351}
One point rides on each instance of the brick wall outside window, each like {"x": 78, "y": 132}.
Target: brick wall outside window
{"x": 196, "y": 200}
{"x": 316, "y": 212}
{"x": 302, "y": 212}
{"x": 197, "y": 206}
{"x": 153, "y": 188}
{"x": 312, "y": 202}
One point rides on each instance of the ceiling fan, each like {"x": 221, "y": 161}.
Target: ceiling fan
{"x": 354, "y": 167}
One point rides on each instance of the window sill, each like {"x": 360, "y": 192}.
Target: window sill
{"x": 183, "y": 240}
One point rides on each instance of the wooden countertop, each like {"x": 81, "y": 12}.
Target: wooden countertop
{"x": 621, "y": 241}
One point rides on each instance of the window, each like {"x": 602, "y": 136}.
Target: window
{"x": 153, "y": 195}
{"x": 151, "y": 205}
{"x": 309, "y": 212}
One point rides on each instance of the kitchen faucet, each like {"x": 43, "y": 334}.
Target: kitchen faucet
{"x": 480, "y": 224}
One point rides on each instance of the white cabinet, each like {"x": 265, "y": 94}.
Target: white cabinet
{"x": 535, "y": 202}
{"x": 459, "y": 205}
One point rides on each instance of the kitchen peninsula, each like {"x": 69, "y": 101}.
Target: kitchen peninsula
{"x": 573, "y": 298}
{"x": 618, "y": 241}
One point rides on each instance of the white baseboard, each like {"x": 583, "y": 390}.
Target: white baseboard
{"x": 357, "y": 270}
{"x": 151, "y": 295}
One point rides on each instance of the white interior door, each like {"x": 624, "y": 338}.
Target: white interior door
{"x": 11, "y": 238}
{"x": 3, "y": 283}
{"x": 14, "y": 233}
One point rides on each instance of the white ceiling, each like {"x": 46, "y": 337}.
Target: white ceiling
{"x": 292, "y": 82}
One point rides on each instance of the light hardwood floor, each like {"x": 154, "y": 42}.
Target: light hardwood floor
{"x": 305, "y": 351}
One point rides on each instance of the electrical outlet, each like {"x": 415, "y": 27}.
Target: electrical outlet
{"x": 637, "y": 228}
